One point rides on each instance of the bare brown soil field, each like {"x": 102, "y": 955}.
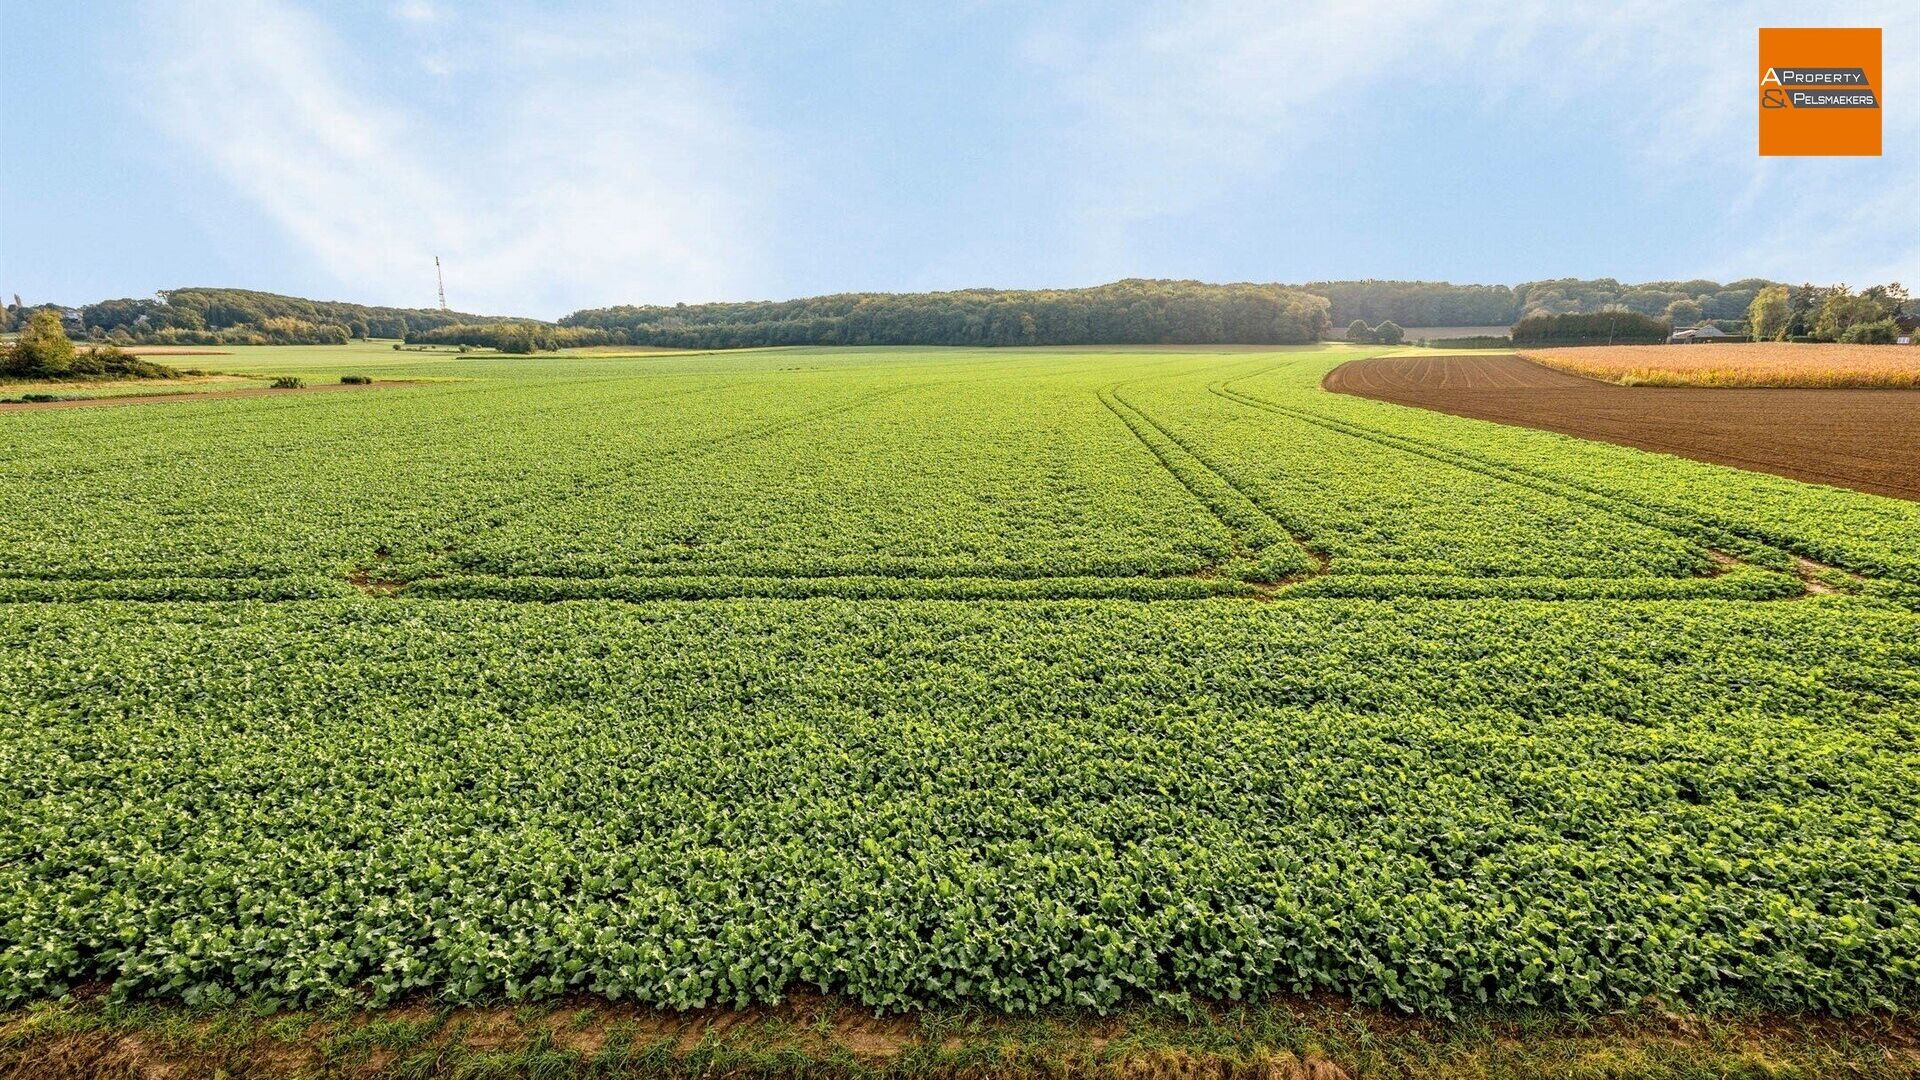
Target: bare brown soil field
{"x": 1769, "y": 364}
{"x": 1868, "y": 440}
{"x": 154, "y": 399}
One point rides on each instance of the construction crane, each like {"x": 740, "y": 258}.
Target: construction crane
{"x": 442, "y": 280}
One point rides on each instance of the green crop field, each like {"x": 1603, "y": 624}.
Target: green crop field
{"x": 1019, "y": 678}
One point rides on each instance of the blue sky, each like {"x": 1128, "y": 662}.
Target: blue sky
{"x": 560, "y": 156}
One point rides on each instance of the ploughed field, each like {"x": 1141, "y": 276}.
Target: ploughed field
{"x": 1864, "y": 439}
{"x": 1023, "y": 678}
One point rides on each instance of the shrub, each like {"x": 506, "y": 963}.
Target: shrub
{"x": 288, "y": 382}
{"x": 45, "y": 352}
{"x": 42, "y": 350}
{"x": 355, "y": 380}
{"x": 1879, "y": 332}
{"x": 109, "y": 362}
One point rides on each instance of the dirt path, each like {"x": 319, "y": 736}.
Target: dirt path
{"x": 1868, "y": 440}
{"x": 207, "y": 395}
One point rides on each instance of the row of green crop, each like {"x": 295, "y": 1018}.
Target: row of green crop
{"x": 852, "y": 586}
{"x": 1867, "y": 534}
{"x": 1378, "y": 510}
{"x": 655, "y": 467}
{"x": 1742, "y": 583}
{"x": 1025, "y": 478}
{"x": 1021, "y": 805}
{"x": 921, "y": 466}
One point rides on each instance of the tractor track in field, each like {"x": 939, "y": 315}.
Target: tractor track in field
{"x": 1725, "y": 539}
{"x": 1232, "y": 506}
{"x": 1252, "y": 525}
{"x": 1682, "y": 525}
{"x": 612, "y": 473}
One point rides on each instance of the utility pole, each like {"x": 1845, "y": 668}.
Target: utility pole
{"x": 442, "y": 280}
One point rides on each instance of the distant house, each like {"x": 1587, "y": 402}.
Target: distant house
{"x": 1708, "y": 332}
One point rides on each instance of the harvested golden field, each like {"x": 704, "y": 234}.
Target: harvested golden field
{"x": 1740, "y": 364}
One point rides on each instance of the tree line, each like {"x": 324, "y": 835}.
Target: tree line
{"x": 1135, "y": 311}
{"x": 515, "y": 336}
{"x": 207, "y": 316}
{"x": 1441, "y": 303}
{"x": 1873, "y": 316}
{"x": 1616, "y": 327}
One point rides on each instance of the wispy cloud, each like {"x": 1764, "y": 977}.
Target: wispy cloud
{"x": 542, "y": 183}
{"x": 1188, "y": 104}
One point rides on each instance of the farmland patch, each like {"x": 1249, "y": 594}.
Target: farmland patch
{"x": 1861, "y": 439}
{"x": 930, "y": 678}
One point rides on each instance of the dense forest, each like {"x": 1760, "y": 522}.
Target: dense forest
{"x": 1135, "y": 311}
{"x": 203, "y": 316}
{"x": 1439, "y": 303}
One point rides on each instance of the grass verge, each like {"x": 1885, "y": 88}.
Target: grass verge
{"x": 1320, "y": 1039}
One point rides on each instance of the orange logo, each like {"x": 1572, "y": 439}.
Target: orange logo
{"x": 1819, "y": 92}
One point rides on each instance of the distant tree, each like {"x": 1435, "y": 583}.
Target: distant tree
{"x": 43, "y": 348}
{"x": 517, "y": 338}
{"x": 1389, "y": 333}
{"x": 1771, "y": 314}
{"x": 1891, "y": 298}
{"x": 1685, "y": 312}
{"x": 1804, "y": 302}
{"x": 1841, "y": 311}
{"x": 1357, "y": 331}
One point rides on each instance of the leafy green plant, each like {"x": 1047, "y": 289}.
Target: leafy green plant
{"x": 1029, "y": 680}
